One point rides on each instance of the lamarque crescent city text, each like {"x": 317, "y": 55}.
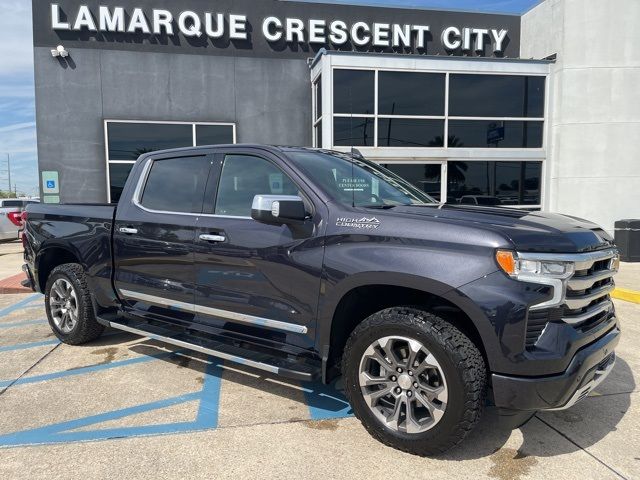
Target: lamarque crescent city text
{"x": 234, "y": 26}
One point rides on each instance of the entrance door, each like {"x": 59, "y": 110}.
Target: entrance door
{"x": 427, "y": 175}
{"x": 257, "y": 281}
{"x": 154, "y": 236}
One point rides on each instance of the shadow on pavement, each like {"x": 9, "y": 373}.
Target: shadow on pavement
{"x": 488, "y": 437}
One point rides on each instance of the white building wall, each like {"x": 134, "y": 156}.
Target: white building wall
{"x": 593, "y": 168}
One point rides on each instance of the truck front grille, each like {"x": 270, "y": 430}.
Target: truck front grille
{"x": 587, "y": 303}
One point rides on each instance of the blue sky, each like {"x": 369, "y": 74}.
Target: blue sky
{"x": 17, "y": 104}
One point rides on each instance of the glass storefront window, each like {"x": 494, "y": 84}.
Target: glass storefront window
{"x": 127, "y": 141}
{"x": 353, "y": 131}
{"x": 353, "y": 91}
{"x": 318, "y": 98}
{"x": 478, "y": 95}
{"x": 409, "y": 93}
{"x": 403, "y": 132}
{"x": 427, "y": 177}
{"x": 494, "y": 183}
{"x": 118, "y": 174}
{"x": 214, "y": 134}
{"x": 495, "y": 134}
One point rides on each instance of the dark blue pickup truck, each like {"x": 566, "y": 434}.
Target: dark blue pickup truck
{"x": 312, "y": 263}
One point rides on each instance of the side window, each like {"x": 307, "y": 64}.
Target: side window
{"x": 176, "y": 184}
{"x": 245, "y": 176}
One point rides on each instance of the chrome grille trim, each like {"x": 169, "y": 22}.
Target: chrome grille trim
{"x": 583, "y": 283}
{"x": 591, "y": 312}
{"x": 582, "y": 301}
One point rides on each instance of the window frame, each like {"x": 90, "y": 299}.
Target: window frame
{"x": 445, "y": 117}
{"x": 106, "y": 123}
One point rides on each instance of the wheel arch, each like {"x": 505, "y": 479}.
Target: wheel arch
{"x": 364, "y": 294}
{"x": 51, "y": 257}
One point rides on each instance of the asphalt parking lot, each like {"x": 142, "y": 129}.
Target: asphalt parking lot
{"x": 128, "y": 407}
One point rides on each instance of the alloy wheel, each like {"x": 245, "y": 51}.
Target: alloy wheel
{"x": 403, "y": 384}
{"x": 63, "y": 304}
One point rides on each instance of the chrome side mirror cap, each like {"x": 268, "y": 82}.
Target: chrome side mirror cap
{"x": 279, "y": 209}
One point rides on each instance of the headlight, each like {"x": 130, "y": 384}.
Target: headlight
{"x": 553, "y": 273}
{"x": 525, "y": 269}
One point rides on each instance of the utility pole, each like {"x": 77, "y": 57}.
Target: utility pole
{"x": 9, "y": 171}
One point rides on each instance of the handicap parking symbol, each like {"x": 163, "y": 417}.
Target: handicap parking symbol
{"x": 51, "y": 184}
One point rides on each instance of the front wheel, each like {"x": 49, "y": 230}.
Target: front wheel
{"x": 414, "y": 380}
{"x": 68, "y": 305}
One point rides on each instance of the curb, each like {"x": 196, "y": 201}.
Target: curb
{"x": 626, "y": 294}
{"x": 12, "y": 284}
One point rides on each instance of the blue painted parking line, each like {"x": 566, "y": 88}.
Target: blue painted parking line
{"x": 325, "y": 401}
{"x": 25, "y": 346}
{"x": 206, "y": 419}
{"x": 21, "y": 304}
{"x": 22, "y": 324}
{"x": 82, "y": 370}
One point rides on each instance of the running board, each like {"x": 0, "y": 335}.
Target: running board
{"x": 277, "y": 366}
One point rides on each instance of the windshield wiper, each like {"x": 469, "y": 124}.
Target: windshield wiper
{"x": 379, "y": 207}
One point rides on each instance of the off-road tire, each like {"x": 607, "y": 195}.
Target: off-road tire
{"x": 87, "y": 327}
{"x": 462, "y": 364}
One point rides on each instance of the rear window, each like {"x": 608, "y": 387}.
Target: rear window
{"x": 176, "y": 185}
{"x": 13, "y": 203}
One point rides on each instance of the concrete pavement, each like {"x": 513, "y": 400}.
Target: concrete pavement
{"x": 129, "y": 407}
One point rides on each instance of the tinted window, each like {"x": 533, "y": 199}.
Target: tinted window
{"x": 496, "y": 96}
{"x": 319, "y": 98}
{"x": 243, "y": 177}
{"x": 118, "y": 174}
{"x": 500, "y": 183}
{"x": 490, "y": 133}
{"x": 426, "y": 177}
{"x": 176, "y": 184}
{"x": 353, "y": 91}
{"x": 127, "y": 141}
{"x": 407, "y": 93}
{"x": 12, "y": 203}
{"x": 318, "y": 128}
{"x": 214, "y": 134}
{"x": 357, "y": 181}
{"x": 402, "y": 132}
{"x": 353, "y": 131}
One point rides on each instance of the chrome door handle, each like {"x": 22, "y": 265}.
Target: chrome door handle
{"x": 212, "y": 238}
{"x": 128, "y": 230}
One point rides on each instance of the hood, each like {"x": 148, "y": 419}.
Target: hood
{"x": 528, "y": 231}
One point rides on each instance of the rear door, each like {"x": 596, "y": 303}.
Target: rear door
{"x": 257, "y": 281}
{"x": 154, "y": 235}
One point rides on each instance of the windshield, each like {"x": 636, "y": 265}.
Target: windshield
{"x": 350, "y": 180}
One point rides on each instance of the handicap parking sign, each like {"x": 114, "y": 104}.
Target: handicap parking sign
{"x": 50, "y": 184}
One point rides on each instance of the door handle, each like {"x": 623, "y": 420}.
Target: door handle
{"x": 212, "y": 238}
{"x": 128, "y": 230}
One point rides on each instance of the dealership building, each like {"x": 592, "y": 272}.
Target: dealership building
{"x": 539, "y": 111}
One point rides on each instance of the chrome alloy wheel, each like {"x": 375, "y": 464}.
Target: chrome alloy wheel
{"x": 403, "y": 384}
{"x": 63, "y": 304}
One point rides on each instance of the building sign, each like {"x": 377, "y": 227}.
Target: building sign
{"x": 281, "y": 27}
{"x": 292, "y": 30}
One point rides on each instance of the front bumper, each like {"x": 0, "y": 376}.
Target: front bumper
{"x": 588, "y": 368}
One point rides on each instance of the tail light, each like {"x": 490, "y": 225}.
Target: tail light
{"x": 15, "y": 218}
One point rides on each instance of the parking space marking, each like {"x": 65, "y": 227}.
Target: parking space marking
{"x": 326, "y": 401}
{"x": 24, "y": 346}
{"x": 206, "y": 419}
{"x": 21, "y": 304}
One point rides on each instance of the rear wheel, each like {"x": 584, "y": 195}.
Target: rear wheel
{"x": 415, "y": 381}
{"x": 68, "y": 305}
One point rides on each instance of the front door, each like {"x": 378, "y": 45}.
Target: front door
{"x": 257, "y": 281}
{"x": 154, "y": 236}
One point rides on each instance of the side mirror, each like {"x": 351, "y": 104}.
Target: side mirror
{"x": 278, "y": 209}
